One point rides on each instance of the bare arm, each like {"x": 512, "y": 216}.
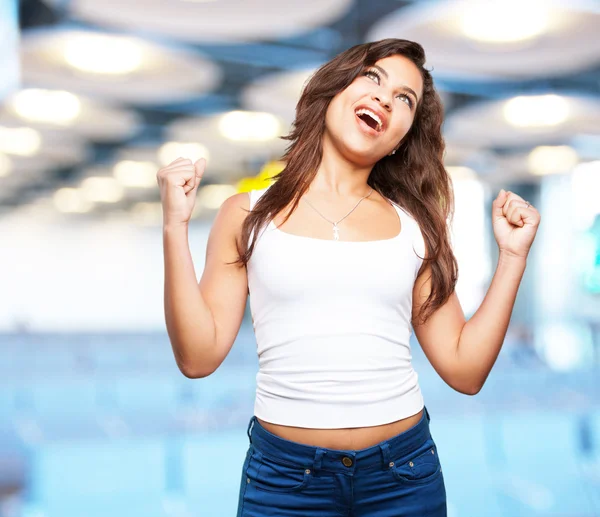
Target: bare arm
{"x": 204, "y": 319}
{"x": 439, "y": 336}
{"x": 483, "y": 335}
{"x": 463, "y": 353}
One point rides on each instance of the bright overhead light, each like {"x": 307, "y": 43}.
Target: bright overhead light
{"x": 170, "y": 151}
{"x": 22, "y": 141}
{"x": 536, "y": 111}
{"x": 5, "y": 165}
{"x": 70, "y": 200}
{"x": 37, "y": 105}
{"x": 213, "y": 196}
{"x": 552, "y": 159}
{"x": 136, "y": 174}
{"x": 102, "y": 189}
{"x": 249, "y": 126}
{"x": 503, "y": 22}
{"x": 103, "y": 54}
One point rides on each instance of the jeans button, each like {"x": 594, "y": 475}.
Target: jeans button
{"x": 347, "y": 461}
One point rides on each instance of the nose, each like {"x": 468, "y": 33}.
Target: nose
{"x": 382, "y": 99}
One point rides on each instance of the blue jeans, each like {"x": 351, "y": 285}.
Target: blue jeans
{"x": 399, "y": 477}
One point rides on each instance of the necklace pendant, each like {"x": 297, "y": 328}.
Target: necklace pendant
{"x": 336, "y": 232}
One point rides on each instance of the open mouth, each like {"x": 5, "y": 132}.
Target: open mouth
{"x": 370, "y": 118}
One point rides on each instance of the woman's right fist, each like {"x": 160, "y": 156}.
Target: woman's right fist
{"x": 178, "y": 183}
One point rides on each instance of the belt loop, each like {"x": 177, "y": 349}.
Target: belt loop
{"x": 318, "y": 457}
{"x": 385, "y": 449}
{"x": 250, "y": 426}
{"x": 427, "y": 413}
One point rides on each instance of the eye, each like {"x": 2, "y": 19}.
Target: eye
{"x": 408, "y": 98}
{"x": 373, "y": 73}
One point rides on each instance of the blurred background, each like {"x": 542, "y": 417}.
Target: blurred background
{"x": 96, "y": 96}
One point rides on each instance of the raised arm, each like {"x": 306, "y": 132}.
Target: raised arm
{"x": 202, "y": 319}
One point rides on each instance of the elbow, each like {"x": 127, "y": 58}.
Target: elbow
{"x": 470, "y": 389}
{"x": 192, "y": 375}
{"x": 466, "y": 388}
{"x": 193, "y": 372}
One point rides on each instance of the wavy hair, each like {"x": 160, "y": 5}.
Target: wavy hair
{"x": 414, "y": 177}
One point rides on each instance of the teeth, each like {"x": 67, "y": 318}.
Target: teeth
{"x": 364, "y": 111}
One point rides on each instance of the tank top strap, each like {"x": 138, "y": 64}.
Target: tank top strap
{"x": 412, "y": 227}
{"x": 255, "y": 195}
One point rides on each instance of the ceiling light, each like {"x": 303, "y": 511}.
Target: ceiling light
{"x": 131, "y": 173}
{"x": 536, "y": 111}
{"x": 70, "y": 200}
{"x": 249, "y": 126}
{"x": 103, "y": 54}
{"x": 58, "y": 107}
{"x": 22, "y": 141}
{"x": 102, "y": 189}
{"x": 503, "y": 22}
{"x": 170, "y": 151}
{"x": 213, "y": 196}
{"x": 552, "y": 159}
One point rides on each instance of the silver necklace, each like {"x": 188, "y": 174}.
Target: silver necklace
{"x": 336, "y": 234}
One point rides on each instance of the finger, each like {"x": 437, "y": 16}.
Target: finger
{"x": 190, "y": 184}
{"x": 498, "y": 204}
{"x": 181, "y": 159}
{"x": 182, "y": 178}
{"x": 513, "y": 198}
{"x": 199, "y": 167}
{"x": 517, "y": 216}
{"x": 514, "y": 206}
{"x": 182, "y": 168}
{"x": 510, "y": 198}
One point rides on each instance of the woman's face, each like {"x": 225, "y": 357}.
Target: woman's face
{"x": 368, "y": 120}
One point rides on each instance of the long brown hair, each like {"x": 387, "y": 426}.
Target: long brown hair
{"x": 414, "y": 177}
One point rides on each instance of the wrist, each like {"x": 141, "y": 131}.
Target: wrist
{"x": 170, "y": 227}
{"x": 511, "y": 259}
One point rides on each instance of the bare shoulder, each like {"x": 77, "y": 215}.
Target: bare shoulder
{"x": 236, "y": 206}
{"x": 231, "y": 214}
{"x": 240, "y": 200}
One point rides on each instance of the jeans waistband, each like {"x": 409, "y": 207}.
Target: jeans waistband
{"x": 266, "y": 443}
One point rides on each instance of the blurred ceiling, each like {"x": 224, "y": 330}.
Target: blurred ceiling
{"x": 113, "y": 90}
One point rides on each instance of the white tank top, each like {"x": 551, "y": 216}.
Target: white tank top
{"x": 332, "y": 321}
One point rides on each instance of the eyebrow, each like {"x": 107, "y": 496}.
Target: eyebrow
{"x": 402, "y": 87}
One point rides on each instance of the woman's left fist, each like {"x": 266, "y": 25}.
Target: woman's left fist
{"x": 515, "y": 224}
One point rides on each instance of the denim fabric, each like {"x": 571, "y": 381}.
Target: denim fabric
{"x": 399, "y": 477}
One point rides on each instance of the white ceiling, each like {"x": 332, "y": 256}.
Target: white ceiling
{"x": 569, "y": 43}
{"x": 167, "y": 73}
{"x": 220, "y": 20}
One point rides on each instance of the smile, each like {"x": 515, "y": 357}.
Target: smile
{"x": 369, "y": 120}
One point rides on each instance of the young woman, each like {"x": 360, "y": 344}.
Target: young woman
{"x": 343, "y": 254}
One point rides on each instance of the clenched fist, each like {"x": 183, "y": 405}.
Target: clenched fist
{"x": 178, "y": 184}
